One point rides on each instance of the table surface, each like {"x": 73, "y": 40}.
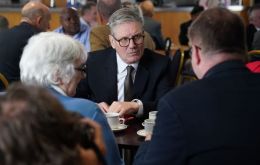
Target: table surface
{"x": 128, "y": 138}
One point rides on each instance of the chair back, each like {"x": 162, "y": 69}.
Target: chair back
{"x": 4, "y": 82}
{"x": 168, "y": 44}
{"x": 176, "y": 66}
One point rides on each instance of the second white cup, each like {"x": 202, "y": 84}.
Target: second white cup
{"x": 152, "y": 115}
{"x": 148, "y": 125}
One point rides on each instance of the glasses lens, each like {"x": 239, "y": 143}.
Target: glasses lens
{"x": 124, "y": 42}
{"x": 138, "y": 39}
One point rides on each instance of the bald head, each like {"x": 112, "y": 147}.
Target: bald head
{"x": 147, "y": 8}
{"x": 106, "y": 8}
{"x": 36, "y": 14}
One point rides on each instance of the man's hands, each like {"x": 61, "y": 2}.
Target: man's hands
{"x": 120, "y": 107}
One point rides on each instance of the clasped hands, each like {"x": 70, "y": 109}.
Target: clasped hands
{"x": 121, "y": 107}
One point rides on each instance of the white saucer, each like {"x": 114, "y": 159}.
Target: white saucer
{"x": 141, "y": 132}
{"x": 119, "y": 128}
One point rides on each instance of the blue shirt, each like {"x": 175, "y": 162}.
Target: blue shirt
{"x": 90, "y": 110}
{"x": 82, "y": 36}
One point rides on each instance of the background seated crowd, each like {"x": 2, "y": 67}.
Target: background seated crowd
{"x": 71, "y": 77}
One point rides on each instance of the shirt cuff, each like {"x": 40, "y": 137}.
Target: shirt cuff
{"x": 141, "y": 107}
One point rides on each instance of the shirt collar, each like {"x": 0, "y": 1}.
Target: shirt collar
{"x": 59, "y": 90}
{"x": 121, "y": 65}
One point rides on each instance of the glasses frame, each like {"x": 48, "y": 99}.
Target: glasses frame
{"x": 132, "y": 38}
{"x": 82, "y": 69}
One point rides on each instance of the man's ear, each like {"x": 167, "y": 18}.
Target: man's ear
{"x": 112, "y": 41}
{"x": 38, "y": 21}
{"x": 197, "y": 55}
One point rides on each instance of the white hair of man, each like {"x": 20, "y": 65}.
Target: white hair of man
{"x": 124, "y": 15}
{"x": 49, "y": 58}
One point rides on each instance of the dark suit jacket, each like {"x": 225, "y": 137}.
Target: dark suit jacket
{"x": 153, "y": 27}
{"x": 12, "y": 42}
{"x": 250, "y": 32}
{"x": 183, "y": 36}
{"x": 151, "y": 80}
{"x": 211, "y": 121}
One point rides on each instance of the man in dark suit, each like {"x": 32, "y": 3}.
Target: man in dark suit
{"x": 254, "y": 25}
{"x": 107, "y": 81}
{"x": 214, "y": 120}
{"x": 183, "y": 36}
{"x": 35, "y": 18}
{"x": 152, "y": 26}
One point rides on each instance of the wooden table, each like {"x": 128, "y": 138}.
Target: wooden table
{"x": 128, "y": 141}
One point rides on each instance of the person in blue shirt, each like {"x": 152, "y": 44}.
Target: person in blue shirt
{"x": 70, "y": 25}
{"x": 57, "y": 62}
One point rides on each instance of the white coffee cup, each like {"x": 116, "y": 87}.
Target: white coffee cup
{"x": 148, "y": 125}
{"x": 113, "y": 120}
{"x": 152, "y": 115}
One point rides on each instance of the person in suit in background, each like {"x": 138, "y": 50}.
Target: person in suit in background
{"x": 108, "y": 72}
{"x": 35, "y": 18}
{"x": 99, "y": 36}
{"x": 89, "y": 14}
{"x": 214, "y": 120}
{"x": 57, "y": 62}
{"x": 4, "y": 24}
{"x": 253, "y": 26}
{"x": 152, "y": 26}
{"x": 36, "y": 129}
{"x": 183, "y": 36}
{"x": 71, "y": 25}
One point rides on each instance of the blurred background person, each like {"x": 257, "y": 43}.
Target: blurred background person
{"x": 70, "y": 25}
{"x": 253, "y": 27}
{"x": 4, "y": 24}
{"x": 152, "y": 26}
{"x": 35, "y": 18}
{"x": 89, "y": 14}
{"x": 57, "y": 62}
{"x": 183, "y": 36}
{"x": 35, "y": 129}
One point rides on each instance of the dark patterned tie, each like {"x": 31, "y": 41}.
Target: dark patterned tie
{"x": 128, "y": 84}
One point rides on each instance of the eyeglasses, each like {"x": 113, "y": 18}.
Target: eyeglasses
{"x": 82, "y": 68}
{"x": 125, "y": 41}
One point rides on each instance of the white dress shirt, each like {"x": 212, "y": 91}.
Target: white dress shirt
{"x": 121, "y": 75}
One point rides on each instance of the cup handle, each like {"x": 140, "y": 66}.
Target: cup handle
{"x": 122, "y": 120}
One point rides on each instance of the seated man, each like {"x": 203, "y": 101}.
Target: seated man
{"x": 152, "y": 26}
{"x": 126, "y": 78}
{"x": 183, "y": 36}
{"x": 35, "y": 17}
{"x": 214, "y": 120}
{"x": 89, "y": 14}
{"x": 99, "y": 36}
{"x": 70, "y": 25}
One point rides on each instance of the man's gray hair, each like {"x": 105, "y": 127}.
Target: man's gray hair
{"x": 124, "y": 15}
{"x": 49, "y": 57}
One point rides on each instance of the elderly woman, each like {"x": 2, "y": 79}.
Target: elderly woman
{"x": 57, "y": 62}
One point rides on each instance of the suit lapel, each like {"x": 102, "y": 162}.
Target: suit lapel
{"x": 141, "y": 79}
{"x": 110, "y": 76}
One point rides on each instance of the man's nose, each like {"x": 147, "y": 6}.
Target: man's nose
{"x": 132, "y": 43}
